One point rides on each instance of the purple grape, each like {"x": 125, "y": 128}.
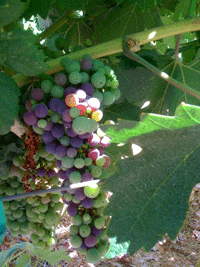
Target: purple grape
{"x": 87, "y": 203}
{"x": 58, "y": 131}
{"x": 87, "y": 176}
{"x": 47, "y": 137}
{"x": 41, "y": 172}
{"x": 90, "y": 241}
{"x": 61, "y": 151}
{"x": 49, "y": 126}
{"x": 94, "y": 140}
{"x": 105, "y": 141}
{"x": 95, "y": 232}
{"x": 76, "y": 142}
{"x": 71, "y": 132}
{"x": 28, "y": 104}
{"x": 41, "y": 110}
{"x": 37, "y": 94}
{"x": 83, "y": 246}
{"x": 51, "y": 173}
{"x": 50, "y": 147}
{"x": 79, "y": 194}
{"x": 66, "y": 117}
{"x": 67, "y": 124}
{"x": 86, "y": 64}
{"x": 71, "y": 152}
{"x": 72, "y": 209}
{"x": 94, "y": 153}
{"x": 54, "y": 103}
{"x": 60, "y": 79}
{"x": 61, "y": 174}
{"x": 85, "y": 136}
{"x": 88, "y": 88}
{"x": 69, "y": 90}
{"x": 101, "y": 150}
{"x": 61, "y": 107}
{"x": 81, "y": 94}
{"x": 59, "y": 163}
{"x": 30, "y": 118}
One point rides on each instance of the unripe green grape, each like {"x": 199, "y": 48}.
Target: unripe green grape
{"x": 96, "y": 64}
{"x": 68, "y": 197}
{"x": 98, "y": 95}
{"x": 43, "y": 207}
{"x": 73, "y": 230}
{"x": 14, "y": 233}
{"x": 107, "y": 70}
{"x": 114, "y": 84}
{"x": 16, "y": 161}
{"x": 75, "y": 200}
{"x": 58, "y": 206}
{"x": 81, "y": 125}
{"x": 65, "y": 140}
{"x": 6, "y": 205}
{"x": 51, "y": 217}
{"x": 79, "y": 163}
{"x": 15, "y": 226}
{"x": 96, "y": 171}
{"x": 11, "y": 217}
{"x": 77, "y": 220}
{"x": 22, "y": 219}
{"x": 88, "y": 161}
{"x": 34, "y": 238}
{"x": 72, "y": 66}
{"x": 14, "y": 205}
{"x": 91, "y": 191}
{"x": 85, "y": 77}
{"x": 30, "y": 200}
{"x": 46, "y": 86}
{"x": 55, "y": 198}
{"x": 57, "y": 91}
{"x": 41, "y": 244}
{"x": 100, "y": 161}
{"x": 38, "y": 130}
{"x": 75, "y": 77}
{"x": 103, "y": 235}
{"x": 76, "y": 241}
{"x": 99, "y": 223}
{"x": 87, "y": 56}
{"x": 36, "y": 203}
{"x": 93, "y": 255}
{"x": 75, "y": 177}
{"x": 105, "y": 174}
{"x": 9, "y": 191}
{"x": 40, "y": 232}
{"x": 108, "y": 98}
{"x": 45, "y": 238}
{"x": 82, "y": 251}
{"x": 46, "y": 225}
{"x": 30, "y": 213}
{"x": 17, "y": 213}
{"x": 20, "y": 190}
{"x": 65, "y": 61}
{"x": 74, "y": 112}
{"x": 42, "y": 123}
{"x": 98, "y": 203}
{"x": 67, "y": 162}
{"x": 93, "y": 126}
{"x": 84, "y": 230}
{"x": 50, "y": 157}
{"x": 41, "y": 216}
{"x": 98, "y": 80}
{"x": 25, "y": 226}
{"x": 55, "y": 117}
{"x": 103, "y": 250}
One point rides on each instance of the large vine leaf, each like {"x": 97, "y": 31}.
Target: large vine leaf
{"x": 9, "y": 99}
{"x": 11, "y": 11}
{"x": 151, "y": 189}
{"x": 18, "y": 51}
{"x": 40, "y": 7}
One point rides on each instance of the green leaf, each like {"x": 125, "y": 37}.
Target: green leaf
{"x": 23, "y": 260}
{"x": 116, "y": 249}
{"x": 125, "y": 19}
{"x": 145, "y": 4}
{"x": 182, "y": 9}
{"x": 151, "y": 190}
{"x": 18, "y": 51}
{"x": 71, "y": 4}
{"x": 9, "y": 102}
{"x": 12, "y": 11}
{"x": 40, "y": 7}
{"x": 53, "y": 257}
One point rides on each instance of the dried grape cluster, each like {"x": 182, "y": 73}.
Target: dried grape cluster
{"x": 65, "y": 115}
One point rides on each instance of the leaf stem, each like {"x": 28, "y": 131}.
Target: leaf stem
{"x": 177, "y": 47}
{"x": 115, "y": 46}
{"x": 160, "y": 73}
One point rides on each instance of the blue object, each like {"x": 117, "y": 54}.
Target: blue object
{"x": 2, "y": 223}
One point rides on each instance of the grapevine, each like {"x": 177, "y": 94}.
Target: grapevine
{"x": 63, "y": 146}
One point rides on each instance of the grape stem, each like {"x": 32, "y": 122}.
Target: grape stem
{"x": 128, "y": 45}
{"x": 52, "y": 190}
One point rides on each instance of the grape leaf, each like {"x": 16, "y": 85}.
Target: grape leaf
{"x": 18, "y": 51}
{"x": 183, "y": 9}
{"x": 9, "y": 101}
{"x": 151, "y": 189}
{"x": 23, "y": 260}
{"x": 71, "y": 4}
{"x": 12, "y": 11}
{"x": 144, "y": 4}
{"x": 54, "y": 257}
{"x": 40, "y": 7}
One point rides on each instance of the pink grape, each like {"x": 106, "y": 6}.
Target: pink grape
{"x": 94, "y": 153}
{"x": 105, "y": 141}
{"x": 49, "y": 126}
{"x": 82, "y": 108}
{"x": 94, "y": 140}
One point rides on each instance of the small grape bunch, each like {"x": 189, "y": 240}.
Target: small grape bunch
{"x": 66, "y": 114}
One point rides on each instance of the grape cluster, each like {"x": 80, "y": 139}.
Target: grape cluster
{"x": 65, "y": 115}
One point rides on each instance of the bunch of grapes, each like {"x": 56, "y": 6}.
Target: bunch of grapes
{"x": 65, "y": 115}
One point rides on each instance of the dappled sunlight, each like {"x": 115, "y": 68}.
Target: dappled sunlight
{"x": 146, "y": 104}
{"x": 136, "y": 149}
{"x": 164, "y": 75}
{"x": 152, "y": 35}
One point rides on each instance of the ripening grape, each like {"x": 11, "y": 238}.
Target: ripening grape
{"x": 46, "y": 86}
{"x": 87, "y": 203}
{"x": 72, "y": 209}
{"x": 71, "y": 152}
{"x": 94, "y": 153}
{"x": 60, "y": 79}
{"x": 98, "y": 79}
{"x": 82, "y": 107}
{"x": 58, "y": 131}
{"x": 79, "y": 194}
{"x": 91, "y": 191}
{"x": 61, "y": 151}
{"x": 54, "y": 103}
{"x": 86, "y": 64}
{"x": 41, "y": 172}
{"x": 76, "y": 241}
{"x": 90, "y": 241}
{"x": 94, "y": 140}
{"x": 37, "y": 94}
{"x": 71, "y": 100}
{"x": 87, "y": 177}
{"x": 50, "y": 147}
{"x": 105, "y": 141}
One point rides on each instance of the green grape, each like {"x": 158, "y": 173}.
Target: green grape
{"x": 116, "y": 92}
{"x": 88, "y": 161}
{"x": 14, "y": 233}
{"x": 96, "y": 171}
{"x": 77, "y": 220}
{"x": 84, "y": 230}
{"x": 74, "y": 112}
{"x": 25, "y": 226}
{"x": 51, "y": 217}
{"x": 56, "y": 117}
{"x": 81, "y": 125}
{"x": 14, "y": 183}
{"x": 99, "y": 223}
{"x": 65, "y": 60}
{"x": 76, "y": 241}
{"x": 100, "y": 161}
{"x": 75, "y": 200}
{"x": 15, "y": 226}
{"x": 8, "y": 223}
{"x": 42, "y": 123}
{"x": 46, "y": 86}
{"x": 75, "y": 177}
{"x": 103, "y": 250}
{"x": 58, "y": 206}
{"x": 30, "y": 200}
{"x": 40, "y": 232}
{"x": 11, "y": 217}
{"x": 79, "y": 163}
{"x": 45, "y": 238}
{"x": 75, "y": 77}
{"x": 16, "y": 161}
{"x": 42, "y": 152}
{"x": 22, "y": 219}
{"x": 107, "y": 70}
{"x": 96, "y": 64}
{"x": 93, "y": 255}
{"x": 72, "y": 66}
{"x": 65, "y": 141}
{"x": 57, "y": 91}
{"x": 9, "y": 191}
{"x": 108, "y": 98}
{"x": 43, "y": 207}
{"x": 93, "y": 126}
{"x": 105, "y": 174}
{"x": 98, "y": 80}
{"x": 46, "y": 225}
{"x": 6, "y": 205}
{"x": 85, "y": 77}
{"x": 36, "y": 203}
{"x": 98, "y": 203}
{"x": 41, "y": 244}
{"x": 55, "y": 198}
{"x": 103, "y": 235}
{"x": 102, "y": 70}
{"x": 17, "y": 213}
{"x": 114, "y": 84}
{"x": 73, "y": 230}
{"x": 98, "y": 95}
{"x": 82, "y": 251}
{"x": 87, "y": 218}
{"x": 91, "y": 191}
{"x": 14, "y": 205}
{"x": 45, "y": 200}
{"x": 41, "y": 216}
{"x": 38, "y": 130}
{"x": 34, "y": 238}
{"x": 68, "y": 197}
{"x": 51, "y": 241}
{"x": 20, "y": 190}
{"x": 30, "y": 213}
{"x": 67, "y": 162}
